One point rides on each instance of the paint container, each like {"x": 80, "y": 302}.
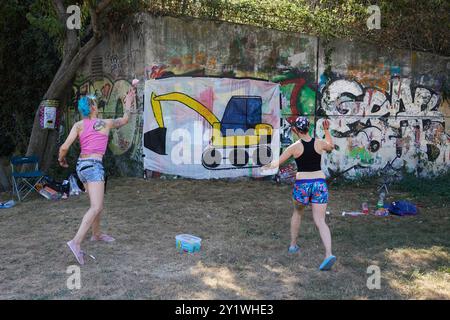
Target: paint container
{"x": 365, "y": 208}
{"x": 380, "y": 203}
{"x": 188, "y": 243}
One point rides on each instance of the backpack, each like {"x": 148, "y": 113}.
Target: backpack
{"x": 61, "y": 187}
{"x": 403, "y": 208}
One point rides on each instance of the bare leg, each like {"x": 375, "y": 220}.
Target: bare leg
{"x": 96, "y": 225}
{"x": 96, "y": 222}
{"x": 319, "y": 210}
{"x": 295, "y": 222}
{"x": 96, "y": 192}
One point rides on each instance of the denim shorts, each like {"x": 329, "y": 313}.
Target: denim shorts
{"x": 90, "y": 170}
{"x": 310, "y": 191}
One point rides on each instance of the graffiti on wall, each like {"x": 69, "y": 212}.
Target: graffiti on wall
{"x": 298, "y": 97}
{"x": 372, "y": 127}
{"x": 110, "y": 94}
{"x": 383, "y": 109}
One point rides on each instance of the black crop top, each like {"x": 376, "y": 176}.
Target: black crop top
{"x": 309, "y": 160}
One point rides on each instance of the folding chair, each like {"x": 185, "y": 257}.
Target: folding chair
{"x": 25, "y": 181}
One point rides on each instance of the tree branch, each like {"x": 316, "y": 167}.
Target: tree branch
{"x": 74, "y": 58}
{"x": 59, "y": 7}
{"x": 95, "y": 15}
{"x": 94, "y": 22}
{"x": 72, "y": 67}
{"x": 101, "y": 6}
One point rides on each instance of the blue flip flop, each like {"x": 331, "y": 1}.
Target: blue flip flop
{"x": 293, "y": 249}
{"x": 327, "y": 263}
{"x": 7, "y": 204}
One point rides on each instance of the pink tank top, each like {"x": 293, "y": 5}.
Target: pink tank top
{"x": 92, "y": 141}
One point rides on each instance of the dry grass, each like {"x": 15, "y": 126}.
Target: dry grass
{"x": 244, "y": 226}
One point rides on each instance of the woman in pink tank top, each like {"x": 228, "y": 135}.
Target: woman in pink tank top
{"x": 93, "y": 135}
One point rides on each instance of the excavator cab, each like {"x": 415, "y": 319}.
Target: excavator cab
{"x": 241, "y": 113}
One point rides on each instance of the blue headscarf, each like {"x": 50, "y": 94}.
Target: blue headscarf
{"x": 302, "y": 124}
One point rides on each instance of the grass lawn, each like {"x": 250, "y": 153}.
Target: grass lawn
{"x": 245, "y": 230}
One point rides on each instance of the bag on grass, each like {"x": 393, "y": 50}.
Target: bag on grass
{"x": 61, "y": 187}
{"x": 403, "y": 208}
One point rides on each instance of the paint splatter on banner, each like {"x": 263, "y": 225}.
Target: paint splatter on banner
{"x": 204, "y": 128}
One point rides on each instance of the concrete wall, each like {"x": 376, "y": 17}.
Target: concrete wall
{"x": 384, "y": 106}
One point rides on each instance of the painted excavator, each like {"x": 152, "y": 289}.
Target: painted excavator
{"x": 238, "y": 135}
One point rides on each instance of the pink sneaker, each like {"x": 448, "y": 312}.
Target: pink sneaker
{"x": 79, "y": 255}
{"x": 103, "y": 237}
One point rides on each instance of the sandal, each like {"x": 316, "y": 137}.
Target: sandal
{"x": 293, "y": 249}
{"x": 79, "y": 255}
{"x": 103, "y": 237}
{"x": 327, "y": 263}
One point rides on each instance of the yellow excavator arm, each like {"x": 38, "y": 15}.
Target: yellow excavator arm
{"x": 261, "y": 130}
{"x": 184, "y": 99}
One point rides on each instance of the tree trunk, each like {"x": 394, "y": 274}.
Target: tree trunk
{"x": 43, "y": 141}
{"x": 4, "y": 181}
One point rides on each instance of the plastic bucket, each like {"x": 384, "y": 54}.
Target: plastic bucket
{"x": 188, "y": 243}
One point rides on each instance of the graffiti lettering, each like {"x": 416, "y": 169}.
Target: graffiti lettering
{"x": 372, "y": 126}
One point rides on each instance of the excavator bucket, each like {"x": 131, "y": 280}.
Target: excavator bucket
{"x": 155, "y": 140}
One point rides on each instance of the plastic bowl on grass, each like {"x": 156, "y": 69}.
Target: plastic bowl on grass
{"x": 188, "y": 243}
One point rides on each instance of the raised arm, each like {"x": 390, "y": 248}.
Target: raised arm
{"x": 129, "y": 102}
{"x": 327, "y": 144}
{"x": 66, "y": 145}
{"x": 289, "y": 152}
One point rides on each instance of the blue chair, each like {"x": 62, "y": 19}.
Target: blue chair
{"x": 25, "y": 181}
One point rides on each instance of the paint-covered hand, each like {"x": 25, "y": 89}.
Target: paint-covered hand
{"x": 326, "y": 124}
{"x": 129, "y": 100}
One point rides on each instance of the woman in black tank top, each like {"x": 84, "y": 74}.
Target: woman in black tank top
{"x": 310, "y": 185}
{"x": 310, "y": 160}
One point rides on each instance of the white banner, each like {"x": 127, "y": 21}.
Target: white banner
{"x": 206, "y": 128}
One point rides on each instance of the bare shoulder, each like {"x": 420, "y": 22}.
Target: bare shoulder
{"x": 319, "y": 142}
{"x": 297, "y": 144}
{"x": 322, "y": 145}
{"x": 297, "y": 148}
{"x": 110, "y": 123}
{"x": 78, "y": 126}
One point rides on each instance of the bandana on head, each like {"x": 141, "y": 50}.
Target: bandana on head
{"x": 301, "y": 123}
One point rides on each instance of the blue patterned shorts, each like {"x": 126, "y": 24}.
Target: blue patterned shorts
{"x": 90, "y": 170}
{"x": 310, "y": 190}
